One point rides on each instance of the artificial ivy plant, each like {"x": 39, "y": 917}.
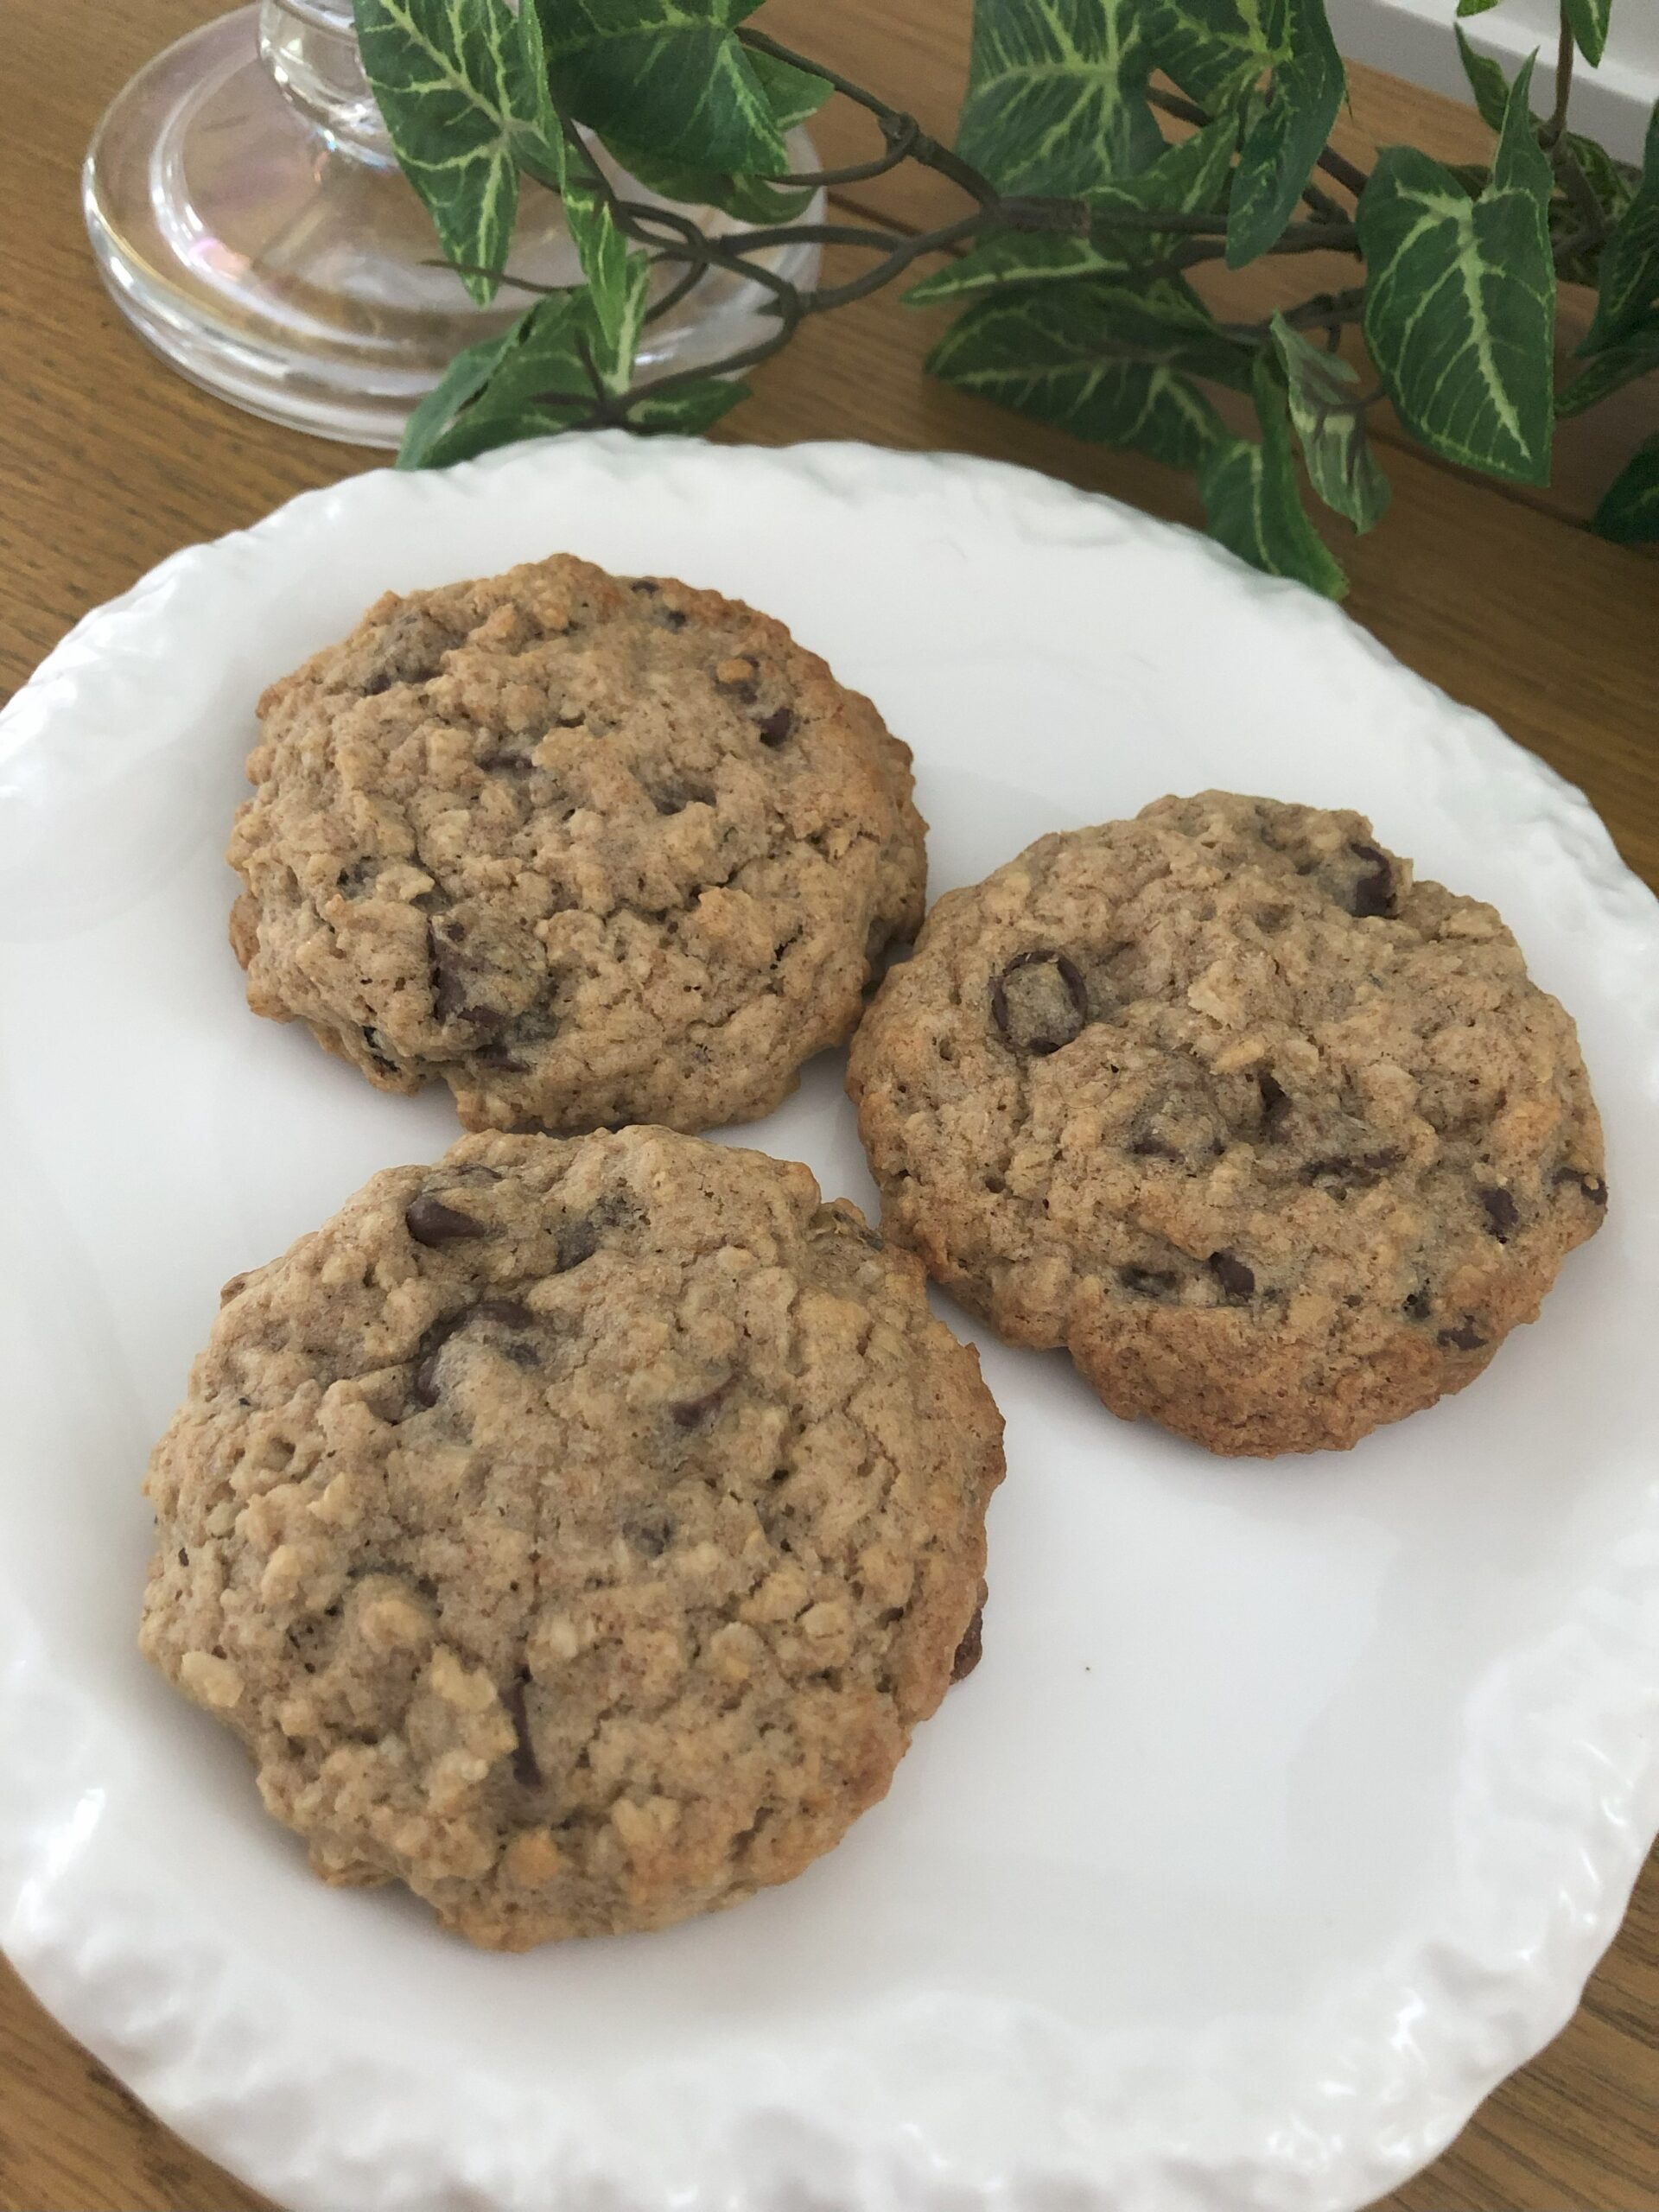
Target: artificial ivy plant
{"x": 1105, "y": 150}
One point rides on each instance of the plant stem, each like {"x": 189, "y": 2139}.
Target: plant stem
{"x": 923, "y": 149}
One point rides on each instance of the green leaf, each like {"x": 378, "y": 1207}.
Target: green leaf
{"x": 1475, "y": 7}
{"x": 1252, "y": 503}
{"x": 542, "y": 353}
{"x": 1588, "y": 20}
{"x": 1216, "y": 50}
{"x": 1321, "y": 389}
{"x": 1189, "y": 177}
{"x": 1486, "y": 81}
{"x": 1460, "y": 304}
{"x": 537, "y": 133}
{"x": 1282, "y": 144}
{"x": 465, "y": 377}
{"x": 792, "y": 94}
{"x": 668, "y": 75}
{"x": 482, "y": 428}
{"x": 444, "y": 74}
{"x": 1101, "y": 360}
{"x": 1629, "y": 260}
{"x": 1628, "y": 513}
{"x": 1636, "y": 354}
{"x": 689, "y": 410}
{"x": 1014, "y": 257}
{"x": 1056, "y": 97}
{"x": 751, "y": 199}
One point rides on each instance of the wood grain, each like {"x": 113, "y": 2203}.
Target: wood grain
{"x": 108, "y": 461}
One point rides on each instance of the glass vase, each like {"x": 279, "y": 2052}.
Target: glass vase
{"x": 250, "y": 218}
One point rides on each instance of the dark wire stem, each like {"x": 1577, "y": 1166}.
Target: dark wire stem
{"x": 923, "y": 149}
{"x": 900, "y": 133}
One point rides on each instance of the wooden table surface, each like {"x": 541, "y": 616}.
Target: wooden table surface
{"x": 108, "y": 461}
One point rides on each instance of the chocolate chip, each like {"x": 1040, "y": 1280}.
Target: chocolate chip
{"x": 1592, "y": 1185}
{"x": 522, "y": 1355}
{"x": 445, "y": 971}
{"x": 1373, "y": 892}
{"x": 647, "y": 586}
{"x": 506, "y": 1312}
{"x": 1231, "y": 1272}
{"x": 428, "y": 1221}
{"x": 1465, "y": 1337}
{"x": 580, "y": 1238}
{"x": 777, "y": 726}
{"x": 1276, "y": 1105}
{"x": 1341, "y": 1174}
{"x": 424, "y": 1387}
{"x": 1148, "y": 1146}
{"x": 970, "y": 1649}
{"x": 672, "y": 618}
{"x": 526, "y": 1771}
{"x": 1502, "y": 1213}
{"x": 690, "y": 1411}
{"x": 358, "y": 877}
{"x": 377, "y": 684}
{"x": 1418, "y": 1306}
{"x": 184, "y": 1556}
{"x": 373, "y": 1038}
{"x": 651, "y": 1534}
{"x": 497, "y": 1052}
{"x": 1146, "y": 1283}
{"x": 739, "y": 687}
{"x": 1054, "y": 1021}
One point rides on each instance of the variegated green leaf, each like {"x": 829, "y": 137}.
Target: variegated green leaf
{"x": 1216, "y": 50}
{"x": 1486, "y": 81}
{"x": 1189, "y": 177}
{"x": 1460, "y": 304}
{"x": 1475, "y": 7}
{"x": 751, "y": 198}
{"x": 1636, "y": 354}
{"x": 792, "y": 94}
{"x": 689, "y": 410}
{"x": 1322, "y": 389}
{"x": 618, "y": 280}
{"x": 538, "y": 380}
{"x": 1252, "y": 503}
{"x": 445, "y": 73}
{"x": 1101, "y": 360}
{"x": 1628, "y": 513}
{"x": 466, "y": 377}
{"x": 668, "y": 75}
{"x": 1629, "y": 260}
{"x": 537, "y": 132}
{"x": 1280, "y": 147}
{"x": 1056, "y": 94}
{"x": 1588, "y": 20}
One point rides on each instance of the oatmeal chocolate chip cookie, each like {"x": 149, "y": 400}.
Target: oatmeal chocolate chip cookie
{"x": 575, "y": 1530}
{"x": 591, "y": 850}
{"x": 1276, "y": 1141}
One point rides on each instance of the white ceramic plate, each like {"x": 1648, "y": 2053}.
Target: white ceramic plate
{"x": 1293, "y": 1803}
